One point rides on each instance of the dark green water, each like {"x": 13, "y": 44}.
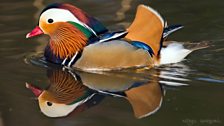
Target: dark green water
{"x": 198, "y": 104}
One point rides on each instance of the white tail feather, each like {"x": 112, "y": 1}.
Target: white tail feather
{"x": 173, "y": 53}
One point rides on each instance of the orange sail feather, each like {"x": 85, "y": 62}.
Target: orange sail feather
{"x": 147, "y": 27}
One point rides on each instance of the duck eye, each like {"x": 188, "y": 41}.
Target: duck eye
{"x": 50, "y": 20}
{"x": 49, "y": 103}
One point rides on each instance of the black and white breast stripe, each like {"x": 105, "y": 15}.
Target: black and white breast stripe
{"x": 70, "y": 61}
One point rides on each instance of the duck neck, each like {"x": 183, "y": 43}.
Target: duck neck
{"x": 66, "y": 41}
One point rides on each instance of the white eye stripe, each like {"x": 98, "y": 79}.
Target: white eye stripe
{"x": 61, "y": 15}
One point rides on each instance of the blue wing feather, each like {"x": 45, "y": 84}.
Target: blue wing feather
{"x": 170, "y": 29}
{"x": 144, "y": 46}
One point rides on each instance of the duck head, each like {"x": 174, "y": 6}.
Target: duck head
{"x": 64, "y": 95}
{"x": 69, "y": 29}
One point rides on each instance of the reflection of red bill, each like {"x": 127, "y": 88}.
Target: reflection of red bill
{"x": 35, "y": 90}
{"x": 35, "y": 32}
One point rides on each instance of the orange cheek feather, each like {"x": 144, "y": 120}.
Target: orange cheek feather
{"x": 48, "y": 28}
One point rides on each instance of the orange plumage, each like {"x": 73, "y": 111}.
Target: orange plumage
{"x": 64, "y": 89}
{"x": 147, "y": 27}
{"x": 66, "y": 40}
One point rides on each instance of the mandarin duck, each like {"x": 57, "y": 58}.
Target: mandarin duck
{"x": 80, "y": 41}
{"x": 64, "y": 96}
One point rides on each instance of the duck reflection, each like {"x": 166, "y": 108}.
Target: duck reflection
{"x": 145, "y": 99}
{"x": 71, "y": 90}
{"x": 143, "y": 93}
{"x": 64, "y": 95}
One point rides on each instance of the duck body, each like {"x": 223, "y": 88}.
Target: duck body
{"x": 115, "y": 54}
{"x": 108, "y": 55}
{"x": 80, "y": 41}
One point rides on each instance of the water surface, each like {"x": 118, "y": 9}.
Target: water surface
{"x": 199, "y": 103}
